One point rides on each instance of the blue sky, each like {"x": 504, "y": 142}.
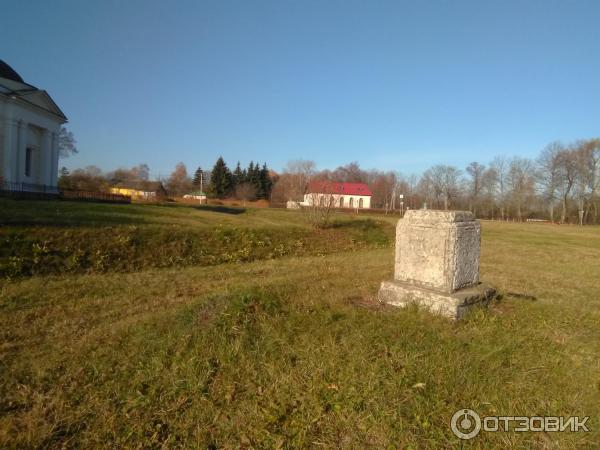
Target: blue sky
{"x": 393, "y": 85}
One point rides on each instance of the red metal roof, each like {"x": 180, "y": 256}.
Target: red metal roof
{"x": 330, "y": 187}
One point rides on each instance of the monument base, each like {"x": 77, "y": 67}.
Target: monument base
{"x": 453, "y": 305}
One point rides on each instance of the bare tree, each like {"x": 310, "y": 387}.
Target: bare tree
{"x": 444, "y": 181}
{"x": 548, "y": 174}
{"x": 245, "y": 192}
{"x": 475, "y": 171}
{"x": 321, "y": 203}
{"x": 500, "y": 166}
{"x": 350, "y": 173}
{"x": 135, "y": 175}
{"x": 179, "y": 183}
{"x": 567, "y": 172}
{"x": 521, "y": 182}
{"x": 489, "y": 190}
{"x": 587, "y": 161}
{"x": 429, "y": 190}
{"x": 412, "y": 182}
{"x": 383, "y": 185}
{"x": 298, "y": 174}
{"x": 88, "y": 179}
{"x": 141, "y": 172}
{"x": 67, "y": 145}
{"x": 590, "y": 168}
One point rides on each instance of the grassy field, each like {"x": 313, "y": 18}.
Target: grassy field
{"x": 292, "y": 350}
{"x": 49, "y": 238}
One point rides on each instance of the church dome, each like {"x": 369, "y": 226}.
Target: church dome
{"x": 7, "y": 72}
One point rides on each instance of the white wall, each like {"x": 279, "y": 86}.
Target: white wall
{"x": 316, "y": 198}
{"x": 22, "y": 126}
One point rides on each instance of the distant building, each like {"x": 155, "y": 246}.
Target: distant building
{"x": 196, "y": 195}
{"x": 30, "y": 123}
{"x": 338, "y": 195}
{"x": 143, "y": 190}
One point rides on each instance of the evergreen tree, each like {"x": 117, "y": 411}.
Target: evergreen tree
{"x": 238, "y": 176}
{"x": 265, "y": 182}
{"x": 198, "y": 178}
{"x": 220, "y": 179}
{"x": 254, "y": 177}
{"x": 250, "y": 173}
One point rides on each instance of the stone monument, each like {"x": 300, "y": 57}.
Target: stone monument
{"x": 437, "y": 263}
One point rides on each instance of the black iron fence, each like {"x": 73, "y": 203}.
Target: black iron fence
{"x": 8, "y": 186}
{"x": 42, "y": 191}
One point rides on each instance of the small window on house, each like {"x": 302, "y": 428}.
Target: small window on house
{"x": 28, "y": 155}
{"x": 360, "y": 203}
{"x": 341, "y": 202}
{"x": 322, "y": 201}
{"x": 351, "y": 204}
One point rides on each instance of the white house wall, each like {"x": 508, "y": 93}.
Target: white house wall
{"x": 23, "y": 125}
{"x": 316, "y": 198}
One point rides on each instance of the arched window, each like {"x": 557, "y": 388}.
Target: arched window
{"x": 360, "y": 203}
{"x": 351, "y": 203}
{"x": 341, "y": 202}
{"x": 322, "y": 200}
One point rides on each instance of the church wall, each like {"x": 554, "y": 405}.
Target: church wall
{"x": 24, "y": 126}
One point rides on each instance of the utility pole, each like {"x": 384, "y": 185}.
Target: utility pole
{"x": 201, "y": 187}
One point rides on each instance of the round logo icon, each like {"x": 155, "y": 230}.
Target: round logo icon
{"x": 465, "y": 424}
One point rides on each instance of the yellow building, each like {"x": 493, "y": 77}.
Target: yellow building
{"x": 147, "y": 190}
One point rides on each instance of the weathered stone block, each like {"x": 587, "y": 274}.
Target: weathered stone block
{"x": 454, "y": 305}
{"x": 437, "y": 262}
{"x": 438, "y": 249}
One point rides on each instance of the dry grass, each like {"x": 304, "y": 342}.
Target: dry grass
{"x": 295, "y": 352}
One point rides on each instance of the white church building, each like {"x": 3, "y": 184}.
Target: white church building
{"x": 30, "y": 123}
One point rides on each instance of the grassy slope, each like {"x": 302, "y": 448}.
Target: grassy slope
{"x": 296, "y": 352}
{"x": 45, "y": 238}
{"x": 79, "y": 214}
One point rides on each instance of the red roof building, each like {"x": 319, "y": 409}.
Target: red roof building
{"x": 330, "y": 187}
{"x": 338, "y": 195}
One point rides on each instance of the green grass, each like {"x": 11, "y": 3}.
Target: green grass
{"x": 294, "y": 351}
{"x": 44, "y": 238}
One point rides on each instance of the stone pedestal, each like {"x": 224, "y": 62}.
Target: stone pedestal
{"x": 437, "y": 263}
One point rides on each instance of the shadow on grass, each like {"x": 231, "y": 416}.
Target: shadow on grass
{"x": 515, "y": 295}
{"x": 357, "y": 224}
{"x": 65, "y": 213}
{"x": 221, "y": 209}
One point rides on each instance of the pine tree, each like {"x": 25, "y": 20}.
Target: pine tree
{"x": 220, "y": 179}
{"x": 254, "y": 177}
{"x": 258, "y": 182}
{"x": 265, "y": 181}
{"x": 238, "y": 176}
{"x": 250, "y": 173}
{"x": 198, "y": 178}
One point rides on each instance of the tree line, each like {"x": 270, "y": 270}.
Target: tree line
{"x": 562, "y": 184}
{"x": 253, "y": 182}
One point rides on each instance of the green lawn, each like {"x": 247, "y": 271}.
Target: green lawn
{"x": 294, "y": 350}
{"x": 50, "y": 238}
